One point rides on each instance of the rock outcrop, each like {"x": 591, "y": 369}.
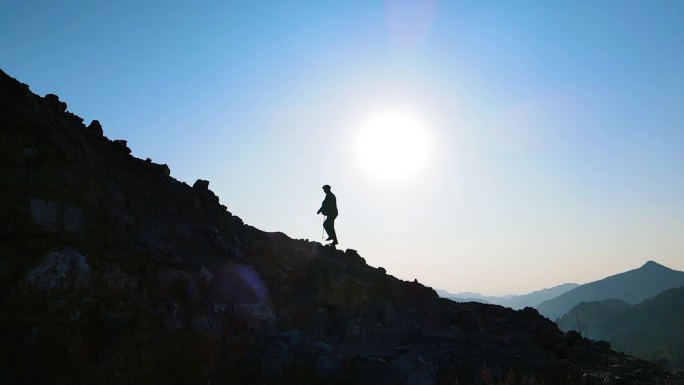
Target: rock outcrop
{"x": 114, "y": 272}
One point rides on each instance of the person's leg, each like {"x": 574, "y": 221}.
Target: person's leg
{"x": 329, "y": 226}
{"x": 329, "y": 229}
{"x": 332, "y": 232}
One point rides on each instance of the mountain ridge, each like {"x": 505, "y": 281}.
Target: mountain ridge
{"x": 516, "y": 302}
{"x": 651, "y": 329}
{"x": 631, "y": 286}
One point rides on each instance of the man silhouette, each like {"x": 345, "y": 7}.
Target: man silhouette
{"x": 329, "y": 209}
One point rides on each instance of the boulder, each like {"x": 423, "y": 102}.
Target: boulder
{"x": 201, "y": 185}
{"x": 55, "y": 104}
{"x": 122, "y": 145}
{"x": 96, "y": 128}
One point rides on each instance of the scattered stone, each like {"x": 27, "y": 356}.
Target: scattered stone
{"x": 122, "y": 145}
{"x": 57, "y": 217}
{"x": 164, "y": 170}
{"x": 64, "y": 272}
{"x": 96, "y": 128}
{"x": 54, "y": 103}
{"x": 201, "y": 185}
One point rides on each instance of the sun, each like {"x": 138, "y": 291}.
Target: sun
{"x": 393, "y": 145}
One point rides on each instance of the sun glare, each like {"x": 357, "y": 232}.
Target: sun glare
{"x": 393, "y": 145}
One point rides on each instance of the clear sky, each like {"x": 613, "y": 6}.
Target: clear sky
{"x": 554, "y": 130}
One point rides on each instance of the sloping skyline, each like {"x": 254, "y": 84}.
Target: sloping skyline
{"x": 555, "y": 131}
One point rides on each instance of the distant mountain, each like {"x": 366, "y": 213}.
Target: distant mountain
{"x": 536, "y": 297}
{"x": 652, "y": 330}
{"x": 632, "y": 287}
{"x": 513, "y": 301}
{"x": 468, "y": 297}
{"x": 588, "y": 317}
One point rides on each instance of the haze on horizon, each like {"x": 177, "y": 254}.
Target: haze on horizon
{"x": 551, "y": 134}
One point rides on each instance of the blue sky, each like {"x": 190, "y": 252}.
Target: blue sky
{"x": 557, "y": 129}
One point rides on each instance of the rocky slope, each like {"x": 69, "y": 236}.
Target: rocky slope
{"x": 113, "y": 272}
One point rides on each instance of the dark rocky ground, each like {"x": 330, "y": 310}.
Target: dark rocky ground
{"x": 113, "y": 272}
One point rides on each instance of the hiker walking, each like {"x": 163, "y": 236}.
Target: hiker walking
{"x": 329, "y": 209}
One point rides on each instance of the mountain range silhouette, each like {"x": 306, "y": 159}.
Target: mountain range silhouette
{"x": 631, "y": 287}
{"x": 532, "y": 299}
{"x": 651, "y": 329}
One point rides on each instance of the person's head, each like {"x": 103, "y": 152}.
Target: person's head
{"x": 326, "y": 188}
